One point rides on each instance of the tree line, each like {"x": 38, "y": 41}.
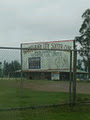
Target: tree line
{"x": 6, "y": 68}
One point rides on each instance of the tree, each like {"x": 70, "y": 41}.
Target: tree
{"x": 79, "y": 64}
{"x": 11, "y": 67}
{"x": 0, "y": 69}
{"x": 5, "y": 68}
{"x": 84, "y": 39}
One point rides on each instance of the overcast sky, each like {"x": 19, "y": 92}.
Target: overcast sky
{"x": 39, "y": 20}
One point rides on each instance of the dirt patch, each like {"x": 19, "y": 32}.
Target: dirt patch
{"x": 58, "y": 87}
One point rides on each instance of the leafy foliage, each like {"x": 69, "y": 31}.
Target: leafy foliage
{"x": 79, "y": 65}
{"x": 84, "y": 39}
{"x": 11, "y": 67}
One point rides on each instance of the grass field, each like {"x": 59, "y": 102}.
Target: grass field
{"x": 10, "y": 96}
{"x": 57, "y": 113}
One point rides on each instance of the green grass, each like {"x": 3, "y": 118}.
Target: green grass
{"x": 56, "y": 113}
{"x": 10, "y": 96}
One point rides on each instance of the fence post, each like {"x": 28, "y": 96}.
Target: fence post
{"x": 70, "y": 85}
{"x": 74, "y": 74}
{"x": 21, "y": 82}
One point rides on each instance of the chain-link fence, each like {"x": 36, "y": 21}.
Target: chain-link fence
{"x": 83, "y": 76}
{"x": 33, "y": 77}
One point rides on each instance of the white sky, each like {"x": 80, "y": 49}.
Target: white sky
{"x": 39, "y": 20}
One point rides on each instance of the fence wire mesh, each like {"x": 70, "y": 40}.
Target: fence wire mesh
{"x": 83, "y": 76}
{"x": 41, "y": 77}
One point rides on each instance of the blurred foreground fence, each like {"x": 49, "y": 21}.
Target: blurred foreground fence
{"x": 34, "y": 77}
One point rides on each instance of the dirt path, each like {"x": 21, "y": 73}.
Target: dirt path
{"x": 58, "y": 87}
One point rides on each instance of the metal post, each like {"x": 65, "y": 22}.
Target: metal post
{"x": 70, "y": 85}
{"x": 74, "y": 74}
{"x": 21, "y": 82}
